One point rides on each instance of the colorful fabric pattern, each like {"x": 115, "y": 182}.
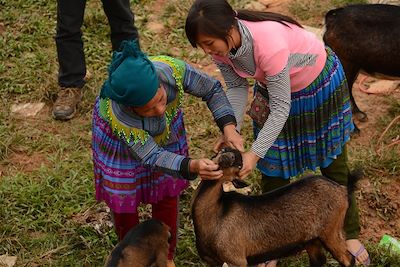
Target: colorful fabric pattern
{"x": 134, "y": 133}
{"x": 144, "y": 159}
{"x": 319, "y": 124}
{"x": 121, "y": 180}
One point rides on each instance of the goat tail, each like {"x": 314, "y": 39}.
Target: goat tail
{"x": 353, "y": 178}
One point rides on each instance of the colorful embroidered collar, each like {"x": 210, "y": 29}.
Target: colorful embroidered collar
{"x": 135, "y": 134}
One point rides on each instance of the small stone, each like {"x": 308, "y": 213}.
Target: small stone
{"x": 7, "y": 261}
{"x": 27, "y": 109}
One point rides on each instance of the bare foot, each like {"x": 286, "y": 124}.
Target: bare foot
{"x": 272, "y": 263}
{"x": 357, "y": 249}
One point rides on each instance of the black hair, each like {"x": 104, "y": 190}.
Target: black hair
{"x": 216, "y": 18}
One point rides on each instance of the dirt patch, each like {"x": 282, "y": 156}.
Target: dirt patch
{"x": 375, "y": 106}
{"x": 21, "y": 161}
{"x": 380, "y": 210}
{"x": 379, "y": 203}
{"x": 278, "y": 6}
{"x": 154, "y": 24}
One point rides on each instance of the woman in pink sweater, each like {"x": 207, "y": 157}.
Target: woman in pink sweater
{"x": 301, "y": 111}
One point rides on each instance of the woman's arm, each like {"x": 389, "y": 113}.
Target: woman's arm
{"x": 280, "y": 99}
{"x": 146, "y": 150}
{"x": 210, "y": 90}
{"x": 152, "y": 155}
{"x": 237, "y": 91}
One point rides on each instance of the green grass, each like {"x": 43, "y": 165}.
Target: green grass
{"x": 48, "y": 215}
{"x": 311, "y": 12}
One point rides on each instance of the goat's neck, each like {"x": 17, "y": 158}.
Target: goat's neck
{"x": 208, "y": 197}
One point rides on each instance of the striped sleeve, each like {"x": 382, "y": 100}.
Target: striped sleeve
{"x": 237, "y": 92}
{"x": 211, "y": 91}
{"x": 280, "y": 100}
{"x": 152, "y": 155}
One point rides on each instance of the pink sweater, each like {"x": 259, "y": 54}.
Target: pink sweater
{"x": 273, "y": 44}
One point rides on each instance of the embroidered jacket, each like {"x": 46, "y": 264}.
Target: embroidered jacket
{"x": 146, "y": 136}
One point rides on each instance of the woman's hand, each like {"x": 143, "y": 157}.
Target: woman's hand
{"x": 250, "y": 160}
{"x": 206, "y": 168}
{"x": 219, "y": 144}
{"x": 231, "y": 138}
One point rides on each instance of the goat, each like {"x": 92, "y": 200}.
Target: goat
{"x": 365, "y": 38}
{"x": 145, "y": 245}
{"x": 239, "y": 229}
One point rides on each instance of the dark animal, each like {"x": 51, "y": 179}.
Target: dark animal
{"x": 366, "y": 38}
{"x": 145, "y": 245}
{"x": 239, "y": 230}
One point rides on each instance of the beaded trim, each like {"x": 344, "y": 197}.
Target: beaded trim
{"x": 140, "y": 135}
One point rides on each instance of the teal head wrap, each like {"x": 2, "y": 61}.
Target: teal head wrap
{"x": 132, "y": 77}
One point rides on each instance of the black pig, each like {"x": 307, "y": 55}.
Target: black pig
{"x": 366, "y": 38}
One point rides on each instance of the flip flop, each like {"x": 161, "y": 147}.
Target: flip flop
{"x": 359, "y": 252}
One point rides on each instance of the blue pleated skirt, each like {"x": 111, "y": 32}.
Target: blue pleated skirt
{"x": 318, "y": 126}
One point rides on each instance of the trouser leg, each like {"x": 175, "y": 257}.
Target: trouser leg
{"x": 123, "y": 222}
{"x": 338, "y": 171}
{"x": 121, "y": 20}
{"x": 71, "y": 58}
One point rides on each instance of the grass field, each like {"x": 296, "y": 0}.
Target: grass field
{"x": 48, "y": 214}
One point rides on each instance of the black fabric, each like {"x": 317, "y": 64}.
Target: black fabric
{"x": 185, "y": 170}
{"x": 225, "y": 120}
{"x": 70, "y": 14}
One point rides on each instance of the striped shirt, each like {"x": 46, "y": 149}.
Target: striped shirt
{"x": 281, "y": 73}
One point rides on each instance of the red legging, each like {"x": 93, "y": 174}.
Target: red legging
{"x": 165, "y": 210}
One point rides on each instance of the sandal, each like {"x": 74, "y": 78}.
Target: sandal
{"x": 359, "y": 252}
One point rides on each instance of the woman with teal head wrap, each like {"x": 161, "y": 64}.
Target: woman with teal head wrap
{"x": 132, "y": 79}
{"x": 140, "y": 151}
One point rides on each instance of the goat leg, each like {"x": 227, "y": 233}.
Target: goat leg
{"x": 336, "y": 245}
{"x": 315, "y": 254}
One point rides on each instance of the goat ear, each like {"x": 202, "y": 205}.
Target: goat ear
{"x": 237, "y": 183}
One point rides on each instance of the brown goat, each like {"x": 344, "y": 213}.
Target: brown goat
{"x": 145, "y": 245}
{"x": 239, "y": 230}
